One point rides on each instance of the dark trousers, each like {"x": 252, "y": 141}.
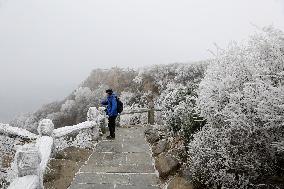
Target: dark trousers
{"x": 111, "y": 126}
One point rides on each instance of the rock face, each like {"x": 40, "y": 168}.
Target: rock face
{"x": 160, "y": 147}
{"x": 179, "y": 183}
{"x": 166, "y": 165}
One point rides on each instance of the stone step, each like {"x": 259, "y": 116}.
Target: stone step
{"x": 123, "y": 163}
{"x": 142, "y": 168}
{"x": 111, "y": 186}
{"x": 122, "y": 179}
{"x": 114, "y": 159}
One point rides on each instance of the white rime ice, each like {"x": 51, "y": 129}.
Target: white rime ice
{"x": 6, "y": 129}
{"x": 70, "y": 129}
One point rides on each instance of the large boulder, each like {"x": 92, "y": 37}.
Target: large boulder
{"x": 179, "y": 183}
{"x": 159, "y": 147}
{"x": 166, "y": 165}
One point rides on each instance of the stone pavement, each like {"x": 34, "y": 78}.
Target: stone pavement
{"x": 123, "y": 163}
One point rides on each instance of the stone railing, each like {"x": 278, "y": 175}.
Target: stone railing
{"x": 31, "y": 159}
{"x": 10, "y": 131}
{"x": 151, "y": 113}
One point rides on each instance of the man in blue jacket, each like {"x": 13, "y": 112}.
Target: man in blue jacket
{"x": 111, "y": 111}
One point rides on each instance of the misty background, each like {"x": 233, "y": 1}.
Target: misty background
{"x": 47, "y": 48}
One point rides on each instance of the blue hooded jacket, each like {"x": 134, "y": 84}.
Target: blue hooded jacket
{"x": 111, "y": 105}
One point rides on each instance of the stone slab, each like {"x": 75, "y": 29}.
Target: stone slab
{"x": 91, "y": 186}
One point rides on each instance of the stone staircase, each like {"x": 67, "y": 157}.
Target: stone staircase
{"x": 123, "y": 163}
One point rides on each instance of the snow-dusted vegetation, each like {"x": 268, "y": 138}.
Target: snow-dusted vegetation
{"x": 228, "y": 111}
{"x": 7, "y": 152}
{"x": 242, "y": 99}
{"x": 225, "y": 115}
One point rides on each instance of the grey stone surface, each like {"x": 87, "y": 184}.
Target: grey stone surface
{"x": 135, "y": 187}
{"x": 94, "y": 178}
{"x": 142, "y": 168}
{"x": 91, "y": 186}
{"x": 159, "y": 147}
{"x": 152, "y": 137}
{"x": 166, "y": 164}
{"x": 134, "y": 147}
{"x": 109, "y": 146}
{"x": 142, "y": 179}
{"x": 123, "y": 163}
{"x": 179, "y": 183}
{"x": 139, "y": 158}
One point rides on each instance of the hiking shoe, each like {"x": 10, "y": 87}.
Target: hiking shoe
{"x": 110, "y": 138}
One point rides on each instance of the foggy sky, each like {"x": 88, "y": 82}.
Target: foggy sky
{"x": 48, "y": 47}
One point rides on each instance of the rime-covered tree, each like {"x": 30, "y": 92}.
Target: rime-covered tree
{"x": 242, "y": 98}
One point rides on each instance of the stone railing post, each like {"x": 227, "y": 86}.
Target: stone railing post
{"x": 28, "y": 159}
{"x": 45, "y": 128}
{"x": 102, "y": 120}
{"x": 97, "y": 116}
{"x": 45, "y": 131}
{"x": 151, "y": 114}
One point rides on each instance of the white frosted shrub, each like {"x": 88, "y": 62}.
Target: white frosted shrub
{"x": 134, "y": 119}
{"x": 127, "y": 98}
{"x": 84, "y": 139}
{"x": 26, "y": 121}
{"x": 93, "y": 114}
{"x": 242, "y": 98}
{"x": 178, "y": 102}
